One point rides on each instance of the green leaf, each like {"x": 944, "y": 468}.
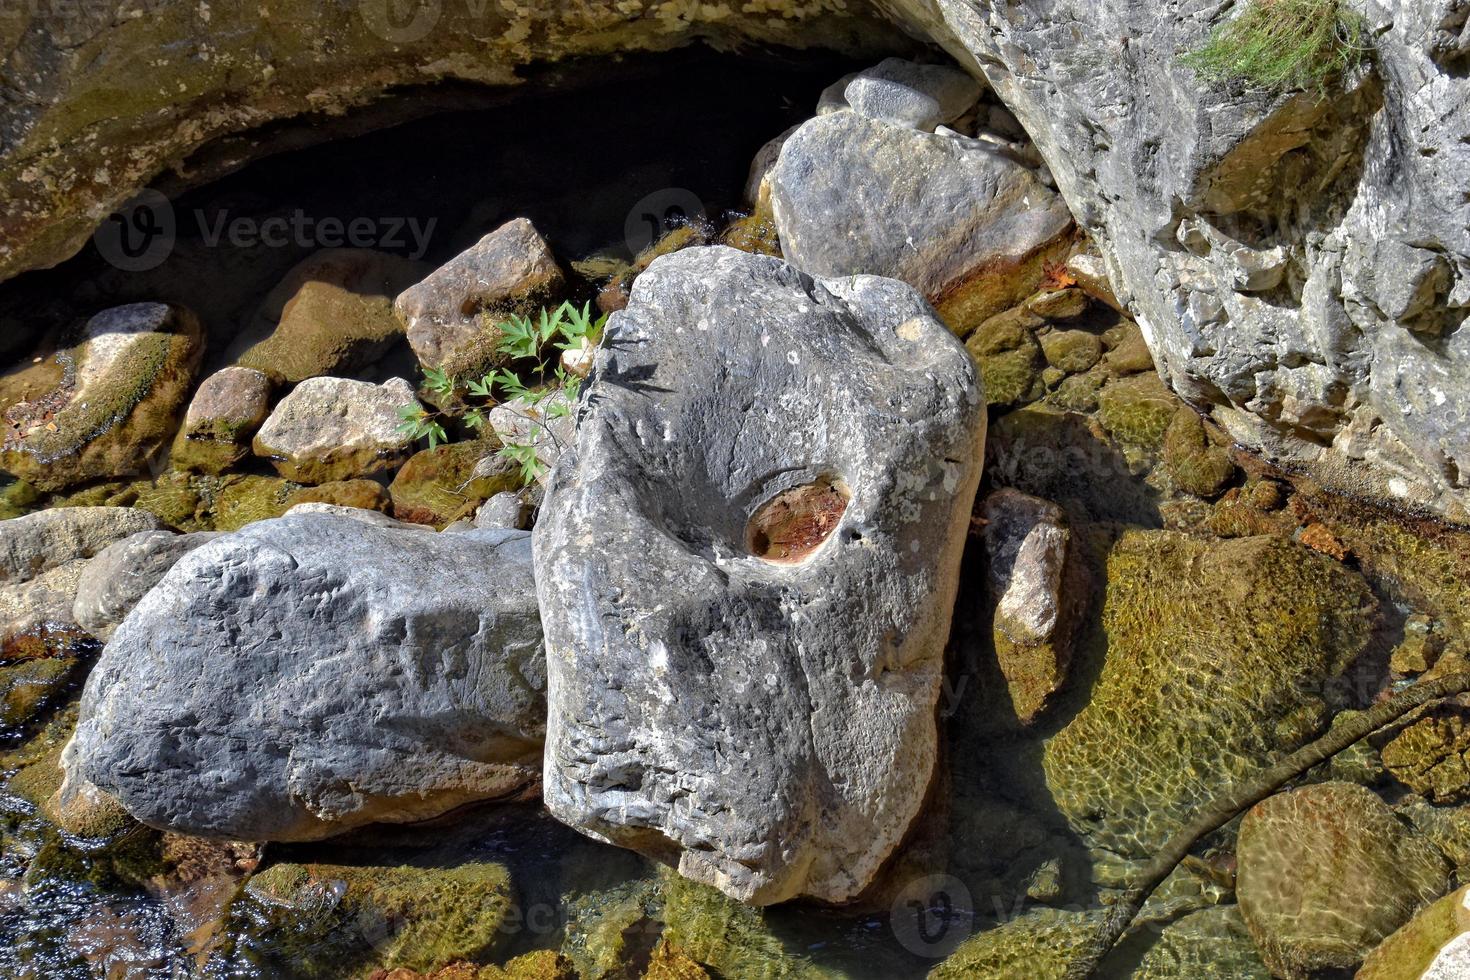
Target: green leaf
{"x": 525, "y": 456}
{"x": 436, "y": 434}
{"x": 438, "y": 381}
{"x": 481, "y": 388}
{"x": 519, "y": 337}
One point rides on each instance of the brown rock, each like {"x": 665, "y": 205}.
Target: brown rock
{"x": 227, "y": 409}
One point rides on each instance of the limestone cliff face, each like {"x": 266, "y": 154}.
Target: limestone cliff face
{"x": 1299, "y": 266}
{"x": 98, "y": 98}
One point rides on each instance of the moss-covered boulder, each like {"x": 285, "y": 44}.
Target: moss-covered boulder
{"x": 1009, "y": 357}
{"x": 362, "y": 494}
{"x": 103, "y": 405}
{"x": 1409, "y": 952}
{"x": 1138, "y": 410}
{"x": 1218, "y": 654}
{"x": 731, "y": 939}
{"x": 340, "y": 920}
{"x": 1197, "y": 455}
{"x": 1326, "y": 872}
{"x": 224, "y": 413}
{"x": 440, "y": 485}
{"x": 1072, "y": 351}
{"x": 331, "y": 315}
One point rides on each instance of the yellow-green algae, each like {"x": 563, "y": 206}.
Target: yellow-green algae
{"x": 1137, "y": 410}
{"x": 1197, "y": 456}
{"x": 1408, "y": 952}
{"x": 1218, "y": 654}
{"x": 438, "y": 486}
{"x": 365, "y": 917}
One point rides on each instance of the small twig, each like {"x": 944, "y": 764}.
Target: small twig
{"x": 1246, "y": 795}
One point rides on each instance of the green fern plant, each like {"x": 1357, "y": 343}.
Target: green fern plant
{"x": 1281, "y": 45}
{"x": 528, "y": 389}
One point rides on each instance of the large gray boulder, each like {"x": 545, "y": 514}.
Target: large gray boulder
{"x": 968, "y": 225}
{"x": 315, "y": 673}
{"x": 747, "y": 565}
{"x": 1299, "y": 265}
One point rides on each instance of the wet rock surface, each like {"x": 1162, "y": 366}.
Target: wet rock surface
{"x": 227, "y": 409}
{"x": 104, "y": 404}
{"x": 330, "y": 429}
{"x": 801, "y": 742}
{"x": 316, "y": 673}
{"x": 1326, "y": 873}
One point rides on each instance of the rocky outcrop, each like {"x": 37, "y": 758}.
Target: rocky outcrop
{"x": 330, "y": 429}
{"x": 330, "y": 315}
{"x": 1326, "y": 872}
{"x": 453, "y": 316}
{"x": 1300, "y": 265}
{"x": 123, "y": 573}
{"x": 227, "y": 409}
{"x": 316, "y": 673}
{"x": 867, "y": 190}
{"x": 103, "y": 405}
{"x": 42, "y": 559}
{"x": 747, "y": 565}
{"x": 104, "y": 104}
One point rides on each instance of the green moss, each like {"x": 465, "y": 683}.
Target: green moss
{"x": 1072, "y": 351}
{"x": 1009, "y": 357}
{"x": 26, "y": 687}
{"x": 1137, "y": 410}
{"x": 1219, "y": 658}
{"x": 438, "y": 486}
{"x": 206, "y": 454}
{"x": 731, "y": 939}
{"x": 1407, "y": 953}
{"x": 359, "y": 917}
{"x": 17, "y": 499}
{"x": 244, "y": 500}
{"x": 1194, "y": 462}
{"x": 325, "y": 329}
{"x": 1281, "y": 45}
{"x": 1078, "y": 392}
{"x": 1038, "y": 945}
{"x": 365, "y": 494}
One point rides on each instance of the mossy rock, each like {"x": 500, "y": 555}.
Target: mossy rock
{"x": 1072, "y": 351}
{"x": 1218, "y": 658}
{"x": 1408, "y": 952}
{"x": 1078, "y": 392}
{"x": 330, "y": 315}
{"x": 755, "y": 233}
{"x": 730, "y": 939}
{"x": 18, "y": 498}
{"x": 1138, "y": 410}
{"x": 1196, "y": 459}
{"x": 27, "y": 687}
{"x": 363, "y": 494}
{"x": 611, "y": 931}
{"x": 213, "y": 456}
{"x": 364, "y": 917}
{"x": 1128, "y": 352}
{"x": 244, "y": 500}
{"x": 115, "y": 402}
{"x": 1432, "y": 755}
{"x": 1009, "y": 357}
{"x": 437, "y": 486}
{"x": 1038, "y": 945}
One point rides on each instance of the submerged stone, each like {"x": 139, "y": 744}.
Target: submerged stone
{"x": 1326, "y": 872}
{"x": 1219, "y": 658}
{"x": 1411, "y": 951}
{"x": 754, "y": 698}
{"x": 105, "y": 405}
{"x": 312, "y": 674}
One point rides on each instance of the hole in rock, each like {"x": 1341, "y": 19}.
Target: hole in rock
{"x": 791, "y": 526}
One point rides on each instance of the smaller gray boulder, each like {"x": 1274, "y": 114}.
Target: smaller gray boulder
{"x": 314, "y": 673}
{"x": 913, "y": 95}
{"x": 113, "y": 582}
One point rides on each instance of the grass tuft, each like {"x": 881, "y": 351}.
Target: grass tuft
{"x": 1283, "y": 45}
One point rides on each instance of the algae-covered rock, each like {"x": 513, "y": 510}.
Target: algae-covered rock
{"x": 731, "y": 939}
{"x": 242, "y": 500}
{"x": 107, "y": 403}
{"x": 363, "y": 494}
{"x": 452, "y": 316}
{"x": 1326, "y": 872}
{"x": 1009, "y": 357}
{"x": 440, "y": 485}
{"x": 1432, "y": 756}
{"x": 330, "y": 429}
{"x": 1218, "y": 656}
{"x": 1073, "y": 351}
{"x": 1038, "y": 945}
{"x": 1138, "y": 410}
{"x": 1211, "y": 943}
{"x": 331, "y": 315}
{"x": 1413, "y": 948}
{"x": 345, "y": 920}
{"x": 26, "y": 687}
{"x": 225, "y": 412}
{"x": 1196, "y": 458}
